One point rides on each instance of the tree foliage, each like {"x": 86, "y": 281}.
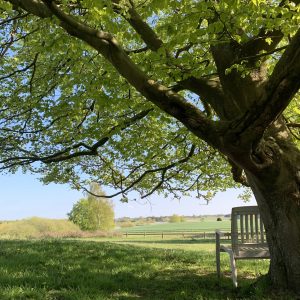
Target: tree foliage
{"x": 61, "y": 100}
{"x": 93, "y": 212}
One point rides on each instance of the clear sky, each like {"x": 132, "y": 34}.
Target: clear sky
{"x": 23, "y": 196}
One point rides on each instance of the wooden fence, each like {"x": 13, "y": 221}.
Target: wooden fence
{"x": 183, "y": 234}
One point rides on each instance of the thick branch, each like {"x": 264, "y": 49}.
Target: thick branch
{"x": 258, "y": 44}
{"x": 146, "y": 33}
{"x": 35, "y": 7}
{"x": 279, "y": 90}
{"x": 237, "y": 174}
{"x": 164, "y": 98}
{"x": 293, "y": 125}
{"x": 209, "y": 90}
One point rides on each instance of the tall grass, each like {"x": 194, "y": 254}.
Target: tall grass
{"x": 45, "y": 228}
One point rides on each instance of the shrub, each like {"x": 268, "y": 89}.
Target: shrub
{"x": 176, "y": 219}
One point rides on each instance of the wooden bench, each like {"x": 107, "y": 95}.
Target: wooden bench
{"x": 247, "y": 238}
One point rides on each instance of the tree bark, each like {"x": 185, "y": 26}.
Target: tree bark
{"x": 276, "y": 187}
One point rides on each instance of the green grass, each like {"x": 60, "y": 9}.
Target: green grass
{"x": 168, "y": 242}
{"x": 77, "y": 269}
{"x": 207, "y": 225}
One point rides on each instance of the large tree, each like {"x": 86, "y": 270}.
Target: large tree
{"x": 159, "y": 96}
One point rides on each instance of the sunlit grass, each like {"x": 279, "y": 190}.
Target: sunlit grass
{"x": 168, "y": 242}
{"x": 207, "y": 225}
{"x": 81, "y": 269}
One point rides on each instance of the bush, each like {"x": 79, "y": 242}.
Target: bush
{"x": 176, "y": 219}
{"x": 219, "y": 219}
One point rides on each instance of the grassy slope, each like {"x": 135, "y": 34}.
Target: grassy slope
{"x": 35, "y": 227}
{"x": 100, "y": 270}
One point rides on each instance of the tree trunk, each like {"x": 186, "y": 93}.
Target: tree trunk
{"x": 276, "y": 186}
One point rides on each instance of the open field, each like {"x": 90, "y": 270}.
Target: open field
{"x": 169, "y": 242}
{"x": 202, "y": 226}
{"x": 81, "y": 269}
{"x": 133, "y": 267}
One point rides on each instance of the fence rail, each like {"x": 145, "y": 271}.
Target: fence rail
{"x": 184, "y": 234}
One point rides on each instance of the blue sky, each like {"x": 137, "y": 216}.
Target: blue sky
{"x": 23, "y": 196}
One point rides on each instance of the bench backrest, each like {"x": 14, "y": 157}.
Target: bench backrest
{"x": 246, "y": 227}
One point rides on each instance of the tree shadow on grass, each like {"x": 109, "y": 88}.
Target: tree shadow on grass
{"x": 76, "y": 270}
{"x": 173, "y": 241}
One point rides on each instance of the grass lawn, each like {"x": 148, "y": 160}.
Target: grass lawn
{"x": 81, "y": 269}
{"x": 168, "y": 242}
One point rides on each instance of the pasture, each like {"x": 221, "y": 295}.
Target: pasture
{"x": 119, "y": 267}
{"x": 85, "y": 269}
{"x": 201, "y": 226}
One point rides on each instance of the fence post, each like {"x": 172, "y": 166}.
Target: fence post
{"x": 162, "y": 235}
{"x": 218, "y": 255}
{"x": 126, "y": 234}
{"x": 204, "y": 235}
{"x": 144, "y": 234}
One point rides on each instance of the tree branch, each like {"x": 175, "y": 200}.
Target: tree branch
{"x": 282, "y": 85}
{"x": 209, "y": 90}
{"x": 35, "y": 7}
{"x": 71, "y": 152}
{"x": 237, "y": 174}
{"x": 293, "y": 125}
{"x": 163, "y": 171}
{"x": 146, "y": 33}
{"x": 258, "y": 43}
{"x": 166, "y": 99}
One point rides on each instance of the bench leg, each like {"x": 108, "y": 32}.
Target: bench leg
{"x": 233, "y": 268}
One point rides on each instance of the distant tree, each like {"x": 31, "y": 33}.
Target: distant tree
{"x": 93, "y": 212}
{"x": 219, "y": 219}
{"x": 176, "y": 219}
{"x": 80, "y": 214}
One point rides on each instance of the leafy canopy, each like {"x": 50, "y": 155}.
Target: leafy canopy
{"x": 67, "y": 114}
